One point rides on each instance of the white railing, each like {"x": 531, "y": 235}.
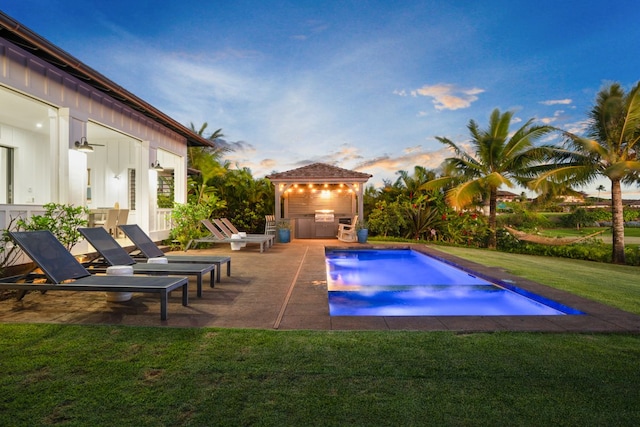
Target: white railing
{"x": 9, "y": 214}
{"x": 13, "y": 212}
{"x": 163, "y": 220}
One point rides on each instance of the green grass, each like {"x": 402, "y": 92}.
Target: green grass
{"x": 112, "y": 375}
{"x": 103, "y": 375}
{"x": 615, "y": 285}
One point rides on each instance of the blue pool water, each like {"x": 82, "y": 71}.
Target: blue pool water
{"x": 403, "y": 282}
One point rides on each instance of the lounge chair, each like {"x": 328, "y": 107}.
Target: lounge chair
{"x": 216, "y": 236}
{"x": 62, "y": 272}
{"x": 147, "y": 249}
{"x": 111, "y": 253}
{"x": 347, "y": 232}
{"x": 228, "y": 229}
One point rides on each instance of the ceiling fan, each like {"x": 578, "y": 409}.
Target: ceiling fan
{"x": 84, "y": 146}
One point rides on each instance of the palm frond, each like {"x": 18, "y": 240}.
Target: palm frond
{"x": 463, "y": 194}
{"x": 524, "y": 138}
{"x": 438, "y": 183}
{"x": 496, "y": 180}
{"x": 631, "y": 127}
{"x": 499, "y": 124}
{"x": 620, "y": 169}
{"x": 567, "y": 175}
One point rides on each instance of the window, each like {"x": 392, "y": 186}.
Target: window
{"x": 165, "y": 189}
{"x": 131, "y": 185}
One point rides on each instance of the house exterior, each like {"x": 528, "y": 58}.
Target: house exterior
{"x": 51, "y": 105}
{"x": 318, "y": 197}
{"x": 507, "y": 196}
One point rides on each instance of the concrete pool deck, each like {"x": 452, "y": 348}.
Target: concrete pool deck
{"x": 284, "y": 288}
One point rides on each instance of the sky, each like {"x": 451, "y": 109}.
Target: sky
{"x": 363, "y": 85}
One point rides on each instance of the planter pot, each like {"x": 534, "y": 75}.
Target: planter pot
{"x": 362, "y": 235}
{"x": 284, "y": 235}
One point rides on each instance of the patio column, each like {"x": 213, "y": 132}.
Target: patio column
{"x": 278, "y": 194}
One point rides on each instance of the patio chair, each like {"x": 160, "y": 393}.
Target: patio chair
{"x": 111, "y": 253}
{"x": 228, "y": 229}
{"x": 62, "y": 272}
{"x": 216, "y": 236}
{"x": 347, "y": 232}
{"x": 147, "y": 249}
{"x": 109, "y": 222}
{"x": 123, "y": 217}
{"x": 270, "y": 224}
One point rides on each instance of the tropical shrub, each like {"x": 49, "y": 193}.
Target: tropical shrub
{"x": 386, "y": 219}
{"x": 585, "y": 217}
{"x": 524, "y": 219}
{"x": 61, "y": 219}
{"x": 9, "y": 253}
{"x": 631, "y": 215}
{"x": 464, "y": 228}
{"x": 186, "y": 221}
{"x": 250, "y": 219}
{"x": 592, "y": 249}
{"x": 420, "y": 219}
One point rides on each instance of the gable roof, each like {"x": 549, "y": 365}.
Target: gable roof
{"x": 319, "y": 172}
{"x": 18, "y": 34}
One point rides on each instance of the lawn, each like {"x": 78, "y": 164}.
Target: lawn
{"x": 112, "y": 375}
{"x": 103, "y": 375}
{"x": 615, "y": 285}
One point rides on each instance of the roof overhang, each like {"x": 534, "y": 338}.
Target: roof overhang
{"x": 23, "y": 37}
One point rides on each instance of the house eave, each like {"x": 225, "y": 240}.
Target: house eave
{"x": 18, "y": 34}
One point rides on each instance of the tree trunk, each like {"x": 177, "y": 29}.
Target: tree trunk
{"x": 492, "y": 243}
{"x": 617, "y": 216}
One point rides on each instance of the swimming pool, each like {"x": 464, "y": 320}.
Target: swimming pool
{"x": 403, "y": 282}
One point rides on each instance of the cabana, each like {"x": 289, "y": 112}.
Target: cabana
{"x": 317, "y": 198}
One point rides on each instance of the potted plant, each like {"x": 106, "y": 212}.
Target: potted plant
{"x": 362, "y": 231}
{"x": 284, "y": 231}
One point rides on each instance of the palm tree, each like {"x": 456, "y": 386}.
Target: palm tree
{"x": 215, "y": 135}
{"x": 208, "y": 161}
{"x": 497, "y": 160}
{"x": 610, "y": 149}
{"x": 413, "y": 183}
{"x": 600, "y": 188}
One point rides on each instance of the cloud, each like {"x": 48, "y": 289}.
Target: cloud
{"x": 577, "y": 128}
{"x": 556, "y": 115}
{"x": 236, "y": 146}
{"x": 311, "y": 27}
{"x": 268, "y": 163}
{"x": 448, "y": 97}
{"x": 566, "y": 101}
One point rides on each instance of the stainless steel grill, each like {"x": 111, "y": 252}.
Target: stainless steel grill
{"x": 324, "y": 215}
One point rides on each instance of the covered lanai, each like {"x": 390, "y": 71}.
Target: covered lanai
{"x": 317, "y": 197}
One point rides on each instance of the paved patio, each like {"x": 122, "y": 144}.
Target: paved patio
{"x": 285, "y": 288}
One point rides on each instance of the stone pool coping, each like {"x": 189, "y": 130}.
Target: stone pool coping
{"x": 284, "y": 288}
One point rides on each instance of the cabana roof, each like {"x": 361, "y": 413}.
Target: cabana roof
{"x": 319, "y": 173}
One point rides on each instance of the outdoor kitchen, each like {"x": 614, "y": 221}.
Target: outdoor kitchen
{"x": 316, "y": 210}
{"x": 316, "y": 198}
